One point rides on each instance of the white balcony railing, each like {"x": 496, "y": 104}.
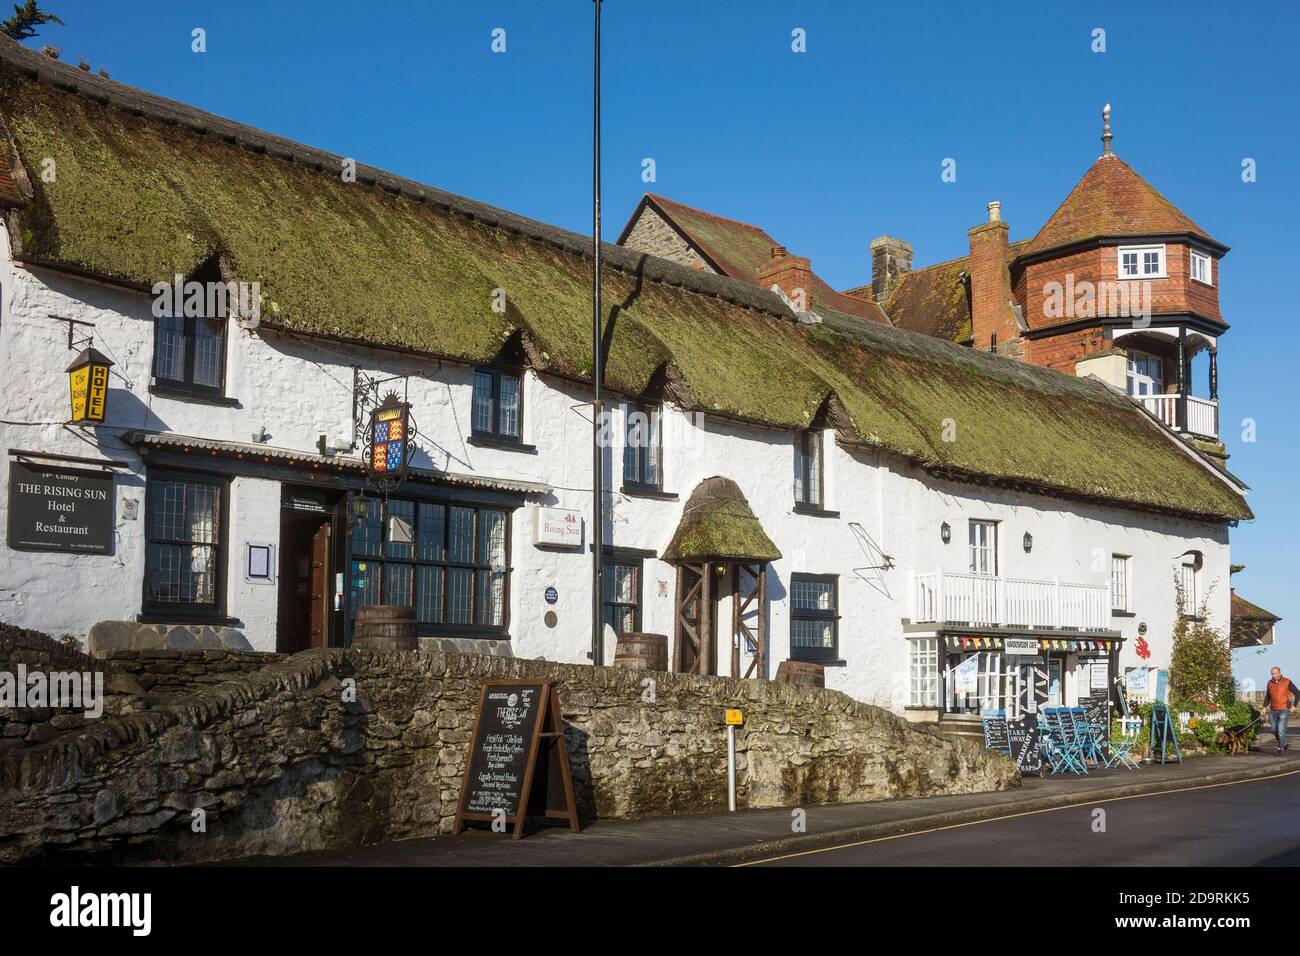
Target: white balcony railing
{"x": 1202, "y": 413}
{"x": 981, "y": 600}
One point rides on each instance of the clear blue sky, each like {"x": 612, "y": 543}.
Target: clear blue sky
{"x": 825, "y": 149}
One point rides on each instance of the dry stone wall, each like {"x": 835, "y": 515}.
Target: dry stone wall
{"x": 341, "y": 747}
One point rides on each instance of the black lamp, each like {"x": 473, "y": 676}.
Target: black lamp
{"x": 1028, "y": 542}
{"x": 945, "y": 532}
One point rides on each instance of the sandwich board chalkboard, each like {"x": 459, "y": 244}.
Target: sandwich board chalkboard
{"x": 1023, "y": 736}
{"x": 517, "y": 764}
{"x": 995, "y": 734}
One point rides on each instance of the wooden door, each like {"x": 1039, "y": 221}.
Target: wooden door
{"x": 320, "y": 586}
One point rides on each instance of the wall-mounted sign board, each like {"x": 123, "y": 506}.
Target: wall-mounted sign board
{"x": 517, "y": 765}
{"x": 60, "y": 509}
{"x": 557, "y": 528}
{"x": 1019, "y": 645}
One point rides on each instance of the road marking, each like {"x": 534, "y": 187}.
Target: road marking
{"x": 1011, "y": 816}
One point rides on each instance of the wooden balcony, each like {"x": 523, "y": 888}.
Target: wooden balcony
{"x": 981, "y": 600}
{"x": 1200, "y": 418}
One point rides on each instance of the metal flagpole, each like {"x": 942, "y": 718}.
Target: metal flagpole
{"x": 597, "y": 372}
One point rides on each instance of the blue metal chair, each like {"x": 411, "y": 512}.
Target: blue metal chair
{"x": 1092, "y": 744}
{"x": 1121, "y": 751}
{"x": 1068, "y": 746}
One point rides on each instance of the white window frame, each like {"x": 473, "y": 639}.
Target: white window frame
{"x": 983, "y": 553}
{"x": 1120, "y": 582}
{"x": 1155, "y": 384}
{"x": 1201, "y": 259}
{"x": 1141, "y": 253}
{"x": 1187, "y": 577}
{"x": 924, "y": 672}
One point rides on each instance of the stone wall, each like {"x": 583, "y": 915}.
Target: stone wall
{"x": 166, "y": 672}
{"x": 288, "y": 759}
{"x": 108, "y": 636}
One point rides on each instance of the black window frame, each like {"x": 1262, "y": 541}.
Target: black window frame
{"x": 641, "y": 454}
{"x": 610, "y": 560}
{"x": 805, "y": 442}
{"x": 152, "y": 610}
{"x": 470, "y": 628}
{"x": 189, "y": 335}
{"x": 828, "y": 655}
{"x": 494, "y": 435}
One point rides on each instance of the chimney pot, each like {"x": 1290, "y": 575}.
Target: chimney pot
{"x": 779, "y": 252}
{"x": 995, "y": 211}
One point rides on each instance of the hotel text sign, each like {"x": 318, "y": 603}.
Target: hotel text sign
{"x": 60, "y": 509}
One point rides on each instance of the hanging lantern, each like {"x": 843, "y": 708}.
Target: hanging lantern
{"x": 390, "y": 438}
{"x": 1028, "y": 542}
{"x": 945, "y": 532}
{"x": 88, "y": 386}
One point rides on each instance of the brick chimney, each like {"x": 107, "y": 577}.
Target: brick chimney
{"x": 793, "y": 274}
{"x": 890, "y": 259}
{"x": 993, "y": 322}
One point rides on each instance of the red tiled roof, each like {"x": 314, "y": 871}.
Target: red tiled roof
{"x": 1111, "y": 200}
{"x": 742, "y": 251}
{"x": 935, "y": 301}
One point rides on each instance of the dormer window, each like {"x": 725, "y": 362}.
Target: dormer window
{"x": 495, "y": 412}
{"x": 808, "y": 469}
{"x": 1201, "y": 268}
{"x": 190, "y": 354}
{"x": 1142, "y": 262}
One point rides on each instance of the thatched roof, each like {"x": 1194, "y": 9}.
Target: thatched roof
{"x": 148, "y": 188}
{"x": 718, "y": 525}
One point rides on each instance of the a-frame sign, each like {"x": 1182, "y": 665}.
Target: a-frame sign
{"x": 517, "y": 765}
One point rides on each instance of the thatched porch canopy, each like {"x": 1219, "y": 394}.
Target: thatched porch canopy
{"x": 718, "y": 525}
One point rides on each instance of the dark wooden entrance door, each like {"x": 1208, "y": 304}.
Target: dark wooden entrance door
{"x": 320, "y": 586}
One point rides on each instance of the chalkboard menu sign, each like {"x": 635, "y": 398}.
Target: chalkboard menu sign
{"x": 60, "y": 509}
{"x": 1023, "y": 735}
{"x": 1097, "y": 711}
{"x": 517, "y": 723}
{"x": 995, "y": 734}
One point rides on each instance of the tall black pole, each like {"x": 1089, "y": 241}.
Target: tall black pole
{"x": 597, "y": 372}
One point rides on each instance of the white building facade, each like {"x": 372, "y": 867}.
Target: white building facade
{"x": 224, "y": 497}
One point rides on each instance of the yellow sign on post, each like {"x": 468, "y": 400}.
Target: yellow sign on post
{"x": 735, "y": 717}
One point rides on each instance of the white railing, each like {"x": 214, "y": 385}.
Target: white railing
{"x": 1202, "y": 413}
{"x": 981, "y": 600}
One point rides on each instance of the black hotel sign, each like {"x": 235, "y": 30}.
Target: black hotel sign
{"x": 60, "y": 509}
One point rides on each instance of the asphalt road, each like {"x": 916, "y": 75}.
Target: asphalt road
{"x": 1254, "y": 823}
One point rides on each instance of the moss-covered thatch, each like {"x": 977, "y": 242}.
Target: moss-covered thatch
{"x": 718, "y": 525}
{"x": 147, "y": 188}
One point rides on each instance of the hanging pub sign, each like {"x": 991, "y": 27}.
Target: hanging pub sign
{"x": 390, "y": 438}
{"x": 60, "y": 509}
{"x": 517, "y": 765}
{"x": 88, "y": 386}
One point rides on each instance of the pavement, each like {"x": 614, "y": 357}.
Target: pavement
{"x": 714, "y": 839}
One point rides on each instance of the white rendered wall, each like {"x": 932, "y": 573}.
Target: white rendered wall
{"x": 298, "y": 389}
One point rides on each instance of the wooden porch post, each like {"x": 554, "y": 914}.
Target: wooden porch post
{"x": 705, "y": 629}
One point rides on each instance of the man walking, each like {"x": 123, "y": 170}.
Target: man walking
{"x": 1279, "y": 693}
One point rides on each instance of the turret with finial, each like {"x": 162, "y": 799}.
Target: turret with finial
{"x": 1105, "y": 131}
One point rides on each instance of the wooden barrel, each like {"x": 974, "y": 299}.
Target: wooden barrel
{"x": 385, "y": 627}
{"x": 801, "y": 672}
{"x": 643, "y": 652}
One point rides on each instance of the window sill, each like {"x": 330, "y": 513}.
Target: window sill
{"x": 813, "y": 511}
{"x": 186, "y": 395}
{"x": 836, "y": 662}
{"x": 645, "y": 491}
{"x": 215, "y": 620}
{"x": 508, "y": 444}
{"x": 1119, "y": 612}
